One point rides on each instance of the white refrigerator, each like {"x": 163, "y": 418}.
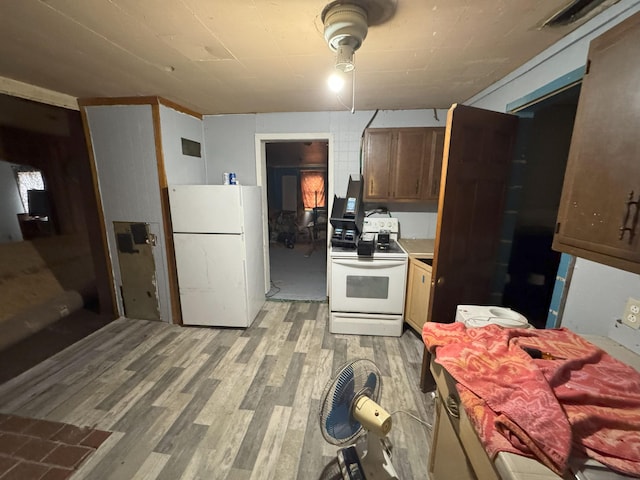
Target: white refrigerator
{"x": 217, "y": 234}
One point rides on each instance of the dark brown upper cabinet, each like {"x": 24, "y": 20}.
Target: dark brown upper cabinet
{"x": 599, "y": 208}
{"x": 403, "y": 164}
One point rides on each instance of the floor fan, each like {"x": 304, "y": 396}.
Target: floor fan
{"x": 349, "y": 410}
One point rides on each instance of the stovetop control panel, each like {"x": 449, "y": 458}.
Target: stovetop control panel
{"x": 376, "y": 224}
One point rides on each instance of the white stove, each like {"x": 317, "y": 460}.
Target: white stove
{"x": 368, "y": 291}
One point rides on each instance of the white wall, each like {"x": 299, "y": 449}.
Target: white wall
{"x": 10, "y": 205}
{"x": 124, "y": 149}
{"x": 181, "y": 169}
{"x": 597, "y": 293}
{"x": 230, "y": 144}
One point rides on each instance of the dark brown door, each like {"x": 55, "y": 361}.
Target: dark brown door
{"x": 475, "y": 172}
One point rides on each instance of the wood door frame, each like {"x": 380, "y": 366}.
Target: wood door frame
{"x": 567, "y": 262}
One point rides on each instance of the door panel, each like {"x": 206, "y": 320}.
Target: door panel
{"x": 137, "y": 270}
{"x": 476, "y": 164}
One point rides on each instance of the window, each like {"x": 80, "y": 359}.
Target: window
{"x": 29, "y": 180}
{"x": 312, "y": 186}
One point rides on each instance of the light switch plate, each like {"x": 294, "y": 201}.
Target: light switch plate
{"x": 631, "y": 315}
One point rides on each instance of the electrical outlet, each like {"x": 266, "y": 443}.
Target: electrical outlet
{"x": 631, "y": 315}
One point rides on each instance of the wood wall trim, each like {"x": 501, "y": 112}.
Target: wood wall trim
{"x": 174, "y": 297}
{"x": 101, "y": 222}
{"x": 109, "y": 101}
{"x": 8, "y": 86}
{"x": 149, "y": 100}
{"x": 179, "y": 108}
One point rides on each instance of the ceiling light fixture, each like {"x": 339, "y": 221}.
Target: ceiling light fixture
{"x": 346, "y": 24}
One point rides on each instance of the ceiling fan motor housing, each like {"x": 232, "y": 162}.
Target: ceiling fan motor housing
{"x": 345, "y": 25}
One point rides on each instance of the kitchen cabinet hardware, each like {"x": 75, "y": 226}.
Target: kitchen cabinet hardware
{"x": 451, "y": 406}
{"x": 631, "y": 204}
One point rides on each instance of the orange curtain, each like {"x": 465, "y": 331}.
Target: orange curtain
{"x": 312, "y": 184}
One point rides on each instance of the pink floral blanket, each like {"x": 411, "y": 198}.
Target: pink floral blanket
{"x": 582, "y": 399}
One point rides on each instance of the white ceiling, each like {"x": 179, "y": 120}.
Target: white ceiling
{"x": 244, "y": 56}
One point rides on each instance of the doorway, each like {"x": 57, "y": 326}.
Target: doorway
{"x": 297, "y": 212}
{"x": 544, "y": 138}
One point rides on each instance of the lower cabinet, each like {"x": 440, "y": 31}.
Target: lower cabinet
{"x": 456, "y": 451}
{"x": 447, "y": 459}
{"x": 418, "y": 289}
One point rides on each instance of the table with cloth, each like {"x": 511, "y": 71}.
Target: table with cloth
{"x": 578, "y": 400}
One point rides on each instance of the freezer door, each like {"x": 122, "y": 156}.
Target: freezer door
{"x": 212, "y": 279}
{"x": 206, "y": 208}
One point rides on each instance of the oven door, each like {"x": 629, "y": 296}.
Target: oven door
{"x": 369, "y": 286}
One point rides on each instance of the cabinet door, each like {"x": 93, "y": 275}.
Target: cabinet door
{"x": 377, "y": 163}
{"x": 602, "y": 181}
{"x": 408, "y": 164}
{"x": 403, "y": 164}
{"x": 447, "y": 459}
{"x": 435, "y": 145}
{"x": 418, "y": 288}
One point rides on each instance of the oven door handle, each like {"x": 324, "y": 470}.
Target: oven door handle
{"x": 368, "y": 264}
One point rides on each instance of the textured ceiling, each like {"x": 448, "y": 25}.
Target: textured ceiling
{"x": 244, "y": 56}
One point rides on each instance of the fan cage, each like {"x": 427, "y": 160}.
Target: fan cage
{"x": 358, "y": 372}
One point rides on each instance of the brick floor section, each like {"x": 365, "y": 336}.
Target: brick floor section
{"x": 43, "y": 450}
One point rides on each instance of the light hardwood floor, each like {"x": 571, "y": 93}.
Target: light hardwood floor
{"x": 204, "y": 403}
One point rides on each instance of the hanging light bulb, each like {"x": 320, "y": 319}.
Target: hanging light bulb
{"x": 346, "y": 24}
{"x": 336, "y": 82}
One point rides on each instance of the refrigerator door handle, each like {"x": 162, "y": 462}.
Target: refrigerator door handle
{"x": 152, "y": 239}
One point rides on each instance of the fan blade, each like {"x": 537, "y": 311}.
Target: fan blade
{"x": 339, "y": 423}
{"x": 371, "y": 382}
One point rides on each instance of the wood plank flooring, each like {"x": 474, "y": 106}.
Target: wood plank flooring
{"x": 205, "y": 403}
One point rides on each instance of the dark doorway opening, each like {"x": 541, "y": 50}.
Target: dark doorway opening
{"x": 544, "y": 136}
{"x": 297, "y": 197}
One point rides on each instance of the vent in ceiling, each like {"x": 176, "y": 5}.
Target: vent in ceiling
{"x": 577, "y": 10}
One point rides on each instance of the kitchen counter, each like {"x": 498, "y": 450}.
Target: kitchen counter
{"x": 507, "y": 466}
{"x": 418, "y": 247}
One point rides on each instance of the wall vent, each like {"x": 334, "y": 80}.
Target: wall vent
{"x": 191, "y": 148}
{"x": 577, "y": 10}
